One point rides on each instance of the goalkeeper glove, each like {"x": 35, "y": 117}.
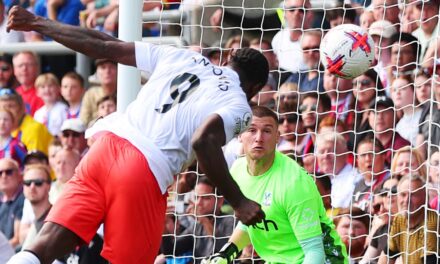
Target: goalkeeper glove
{"x": 225, "y": 256}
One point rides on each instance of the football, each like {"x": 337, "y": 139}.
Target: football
{"x": 347, "y": 51}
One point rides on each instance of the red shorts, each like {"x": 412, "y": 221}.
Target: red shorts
{"x": 114, "y": 185}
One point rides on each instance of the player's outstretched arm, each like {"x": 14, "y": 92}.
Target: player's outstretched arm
{"x": 92, "y": 43}
{"x": 207, "y": 142}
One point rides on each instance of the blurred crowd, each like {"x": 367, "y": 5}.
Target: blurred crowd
{"x": 372, "y": 144}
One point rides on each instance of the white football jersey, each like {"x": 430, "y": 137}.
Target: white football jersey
{"x": 183, "y": 90}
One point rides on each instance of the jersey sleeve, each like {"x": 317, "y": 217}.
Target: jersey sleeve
{"x": 235, "y": 118}
{"x": 150, "y": 56}
{"x": 303, "y": 208}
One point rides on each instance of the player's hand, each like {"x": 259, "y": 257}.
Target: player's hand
{"x": 20, "y": 19}
{"x": 249, "y": 212}
{"x": 226, "y": 255}
{"x": 217, "y": 258}
{"x": 216, "y": 19}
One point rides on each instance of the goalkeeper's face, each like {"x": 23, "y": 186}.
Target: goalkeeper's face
{"x": 260, "y": 139}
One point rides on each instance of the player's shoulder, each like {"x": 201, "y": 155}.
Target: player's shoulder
{"x": 239, "y": 165}
{"x": 290, "y": 171}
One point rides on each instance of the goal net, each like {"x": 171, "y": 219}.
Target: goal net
{"x": 371, "y": 143}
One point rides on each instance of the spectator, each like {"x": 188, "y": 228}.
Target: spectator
{"x": 428, "y": 28}
{"x": 381, "y": 32}
{"x": 330, "y": 124}
{"x": 405, "y": 50}
{"x": 37, "y": 180}
{"x": 407, "y": 161}
{"x": 342, "y": 102}
{"x": 8, "y": 37}
{"x": 353, "y": 225}
{"x": 232, "y": 44}
{"x": 422, "y": 86}
{"x": 26, "y": 70}
{"x": 209, "y": 233}
{"x": 331, "y": 152}
{"x": 409, "y": 19}
{"x": 404, "y": 100}
{"x": 291, "y": 135}
{"x": 72, "y": 136}
{"x": 341, "y": 14}
{"x": 286, "y": 43}
{"x": 430, "y": 120}
{"x": 106, "y": 105}
{"x": 312, "y": 110}
{"x": 381, "y": 119}
{"x": 7, "y": 78}
{"x": 11, "y": 199}
{"x": 381, "y": 225}
{"x": 371, "y": 165}
{"x": 324, "y": 185}
{"x": 53, "y": 113}
{"x": 72, "y": 91}
{"x": 34, "y": 157}
{"x": 430, "y": 59}
{"x": 386, "y": 10}
{"x": 276, "y": 74}
{"x": 54, "y": 146}
{"x": 311, "y": 79}
{"x": 286, "y": 99}
{"x": 434, "y": 180}
{"x": 365, "y": 88}
{"x": 34, "y": 135}
{"x": 66, "y": 161}
{"x": 420, "y": 244}
{"x": 266, "y": 95}
{"x": 106, "y": 71}
{"x": 10, "y": 147}
{"x": 366, "y": 19}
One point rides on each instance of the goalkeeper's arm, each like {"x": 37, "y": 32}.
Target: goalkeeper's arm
{"x": 239, "y": 240}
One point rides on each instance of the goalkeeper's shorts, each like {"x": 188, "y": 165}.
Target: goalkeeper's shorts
{"x": 114, "y": 185}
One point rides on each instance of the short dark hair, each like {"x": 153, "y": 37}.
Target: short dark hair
{"x": 111, "y": 97}
{"x": 407, "y": 38}
{"x": 346, "y": 11}
{"x": 322, "y": 99}
{"x": 259, "y": 42}
{"x": 251, "y": 65}
{"x": 354, "y": 213}
{"x": 262, "y": 111}
{"x": 205, "y": 180}
{"x": 6, "y": 57}
{"x": 324, "y": 180}
{"x": 75, "y": 76}
{"x": 372, "y": 74}
{"x": 378, "y": 147}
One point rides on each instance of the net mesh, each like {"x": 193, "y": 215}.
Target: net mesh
{"x": 370, "y": 143}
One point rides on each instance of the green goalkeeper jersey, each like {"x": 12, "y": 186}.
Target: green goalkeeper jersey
{"x": 294, "y": 212}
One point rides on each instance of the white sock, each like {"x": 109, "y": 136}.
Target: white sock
{"x": 24, "y": 257}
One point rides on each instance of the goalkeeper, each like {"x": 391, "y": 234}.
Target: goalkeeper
{"x": 296, "y": 228}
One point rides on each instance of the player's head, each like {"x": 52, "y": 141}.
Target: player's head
{"x": 252, "y": 68}
{"x": 259, "y": 140}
